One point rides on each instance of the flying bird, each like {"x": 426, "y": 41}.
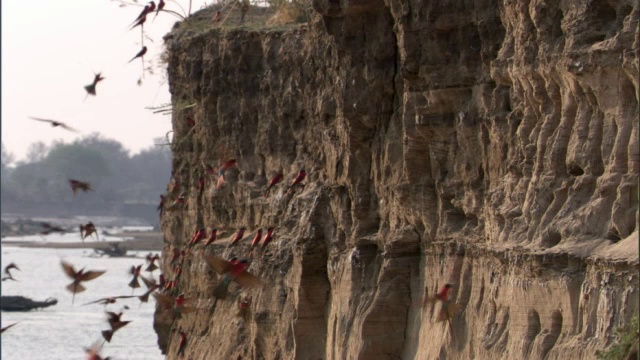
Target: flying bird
{"x": 48, "y": 229}
{"x": 109, "y": 300}
{"x": 134, "y": 283}
{"x": 273, "y": 182}
{"x": 91, "y": 88}
{"x": 115, "y": 323}
{"x": 233, "y": 271}
{"x": 152, "y": 262}
{"x": 177, "y": 305}
{"x": 79, "y": 185}
{"x": 228, "y": 164}
{"x": 78, "y": 277}
{"x": 87, "y": 230}
{"x": 139, "y": 54}
{"x": 93, "y": 353}
{"x": 55, "y": 123}
{"x": 7, "y": 327}
{"x": 448, "y": 309}
{"x": 7, "y": 271}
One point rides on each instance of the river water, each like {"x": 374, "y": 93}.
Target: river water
{"x": 62, "y": 331}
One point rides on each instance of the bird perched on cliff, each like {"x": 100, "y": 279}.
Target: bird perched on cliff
{"x": 238, "y": 236}
{"x": 180, "y": 202}
{"x": 267, "y": 238}
{"x": 212, "y": 237}
{"x": 160, "y": 6}
{"x": 7, "y": 271}
{"x": 177, "y": 305}
{"x": 87, "y": 230}
{"x": 134, "y": 283}
{"x": 243, "y": 306}
{"x": 273, "y": 182}
{"x": 216, "y": 18}
{"x": 231, "y": 271}
{"x": 48, "y": 229}
{"x": 79, "y": 185}
{"x": 298, "y": 179}
{"x": 140, "y": 54}
{"x": 54, "y": 123}
{"x": 78, "y": 277}
{"x": 199, "y": 235}
{"x": 116, "y": 324}
{"x": 91, "y": 88}
{"x": 160, "y": 206}
{"x": 256, "y": 239}
{"x": 109, "y": 300}
{"x": 183, "y": 343}
{"x": 7, "y": 327}
{"x": 227, "y": 165}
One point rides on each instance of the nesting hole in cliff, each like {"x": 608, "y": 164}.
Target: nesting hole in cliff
{"x": 551, "y": 238}
{"x": 575, "y": 170}
{"x": 553, "y": 335}
{"x": 613, "y": 235}
{"x": 533, "y": 329}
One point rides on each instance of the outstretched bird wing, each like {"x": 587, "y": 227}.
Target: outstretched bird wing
{"x": 43, "y": 120}
{"x": 247, "y": 280}
{"x": 217, "y": 263}
{"x": 6, "y": 327}
{"x": 91, "y": 274}
{"x": 68, "y": 269}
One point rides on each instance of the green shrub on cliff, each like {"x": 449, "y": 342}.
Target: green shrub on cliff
{"x": 626, "y": 344}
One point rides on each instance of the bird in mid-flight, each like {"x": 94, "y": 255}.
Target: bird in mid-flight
{"x": 55, "y": 123}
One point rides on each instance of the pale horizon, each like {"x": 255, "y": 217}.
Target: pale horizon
{"x": 50, "y": 51}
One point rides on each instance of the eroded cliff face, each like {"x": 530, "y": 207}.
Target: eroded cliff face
{"x": 491, "y": 144}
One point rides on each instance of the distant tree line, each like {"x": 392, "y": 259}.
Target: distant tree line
{"x": 106, "y": 164}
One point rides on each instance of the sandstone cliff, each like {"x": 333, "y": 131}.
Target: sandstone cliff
{"x": 489, "y": 143}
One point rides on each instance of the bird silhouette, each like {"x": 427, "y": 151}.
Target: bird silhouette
{"x": 115, "y": 323}
{"x": 160, "y": 6}
{"x": 298, "y": 179}
{"x": 151, "y": 259}
{"x": 7, "y": 327}
{"x": 134, "y": 283}
{"x": 54, "y": 123}
{"x": 87, "y": 230}
{"x": 109, "y": 300}
{"x": 233, "y": 270}
{"x": 273, "y": 182}
{"x": 91, "y": 88}
{"x": 7, "y": 271}
{"x": 78, "y": 277}
{"x": 79, "y": 185}
{"x": 139, "y": 54}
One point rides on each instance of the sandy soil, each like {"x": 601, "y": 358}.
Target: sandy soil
{"x": 142, "y": 241}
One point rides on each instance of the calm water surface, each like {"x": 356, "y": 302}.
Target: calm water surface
{"x": 61, "y": 331}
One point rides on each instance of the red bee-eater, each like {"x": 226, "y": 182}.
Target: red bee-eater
{"x": 177, "y": 305}
{"x": 180, "y": 201}
{"x": 190, "y": 122}
{"x": 217, "y": 16}
{"x": 268, "y": 237}
{"x": 243, "y": 306}
{"x": 232, "y": 271}
{"x": 228, "y": 164}
{"x": 87, "y": 230}
{"x": 78, "y": 277}
{"x": 160, "y": 7}
{"x": 212, "y": 237}
{"x": 199, "y": 235}
{"x": 48, "y": 229}
{"x": 177, "y": 271}
{"x": 140, "y": 54}
{"x": 93, "y": 353}
{"x": 115, "y": 323}
{"x": 91, "y": 88}
{"x": 7, "y": 327}
{"x": 448, "y": 309}
{"x": 8, "y": 272}
{"x": 146, "y": 10}
{"x": 201, "y": 183}
{"x": 183, "y": 343}
{"x": 238, "y": 236}
{"x": 109, "y": 300}
{"x": 79, "y": 185}
{"x": 134, "y": 283}
{"x": 151, "y": 260}
{"x": 161, "y": 205}
{"x": 145, "y": 297}
{"x": 176, "y": 255}
{"x": 55, "y": 123}
{"x": 274, "y": 181}
{"x": 256, "y": 239}
{"x": 299, "y": 178}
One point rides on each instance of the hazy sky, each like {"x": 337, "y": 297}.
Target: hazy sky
{"x": 50, "y": 50}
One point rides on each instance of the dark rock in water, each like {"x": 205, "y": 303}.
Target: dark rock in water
{"x": 21, "y": 303}
{"x": 114, "y": 251}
